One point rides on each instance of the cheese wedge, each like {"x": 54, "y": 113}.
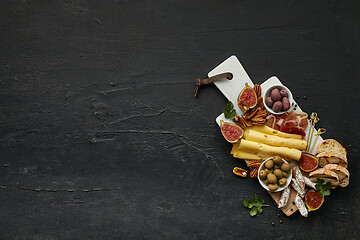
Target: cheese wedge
{"x": 274, "y": 140}
{"x": 264, "y": 150}
{"x": 271, "y": 131}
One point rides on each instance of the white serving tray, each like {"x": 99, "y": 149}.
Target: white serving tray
{"x": 231, "y": 89}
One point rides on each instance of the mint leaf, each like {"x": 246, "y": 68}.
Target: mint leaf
{"x": 246, "y": 203}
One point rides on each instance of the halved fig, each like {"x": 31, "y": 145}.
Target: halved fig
{"x": 313, "y": 200}
{"x": 247, "y": 98}
{"x": 231, "y": 132}
{"x": 308, "y": 162}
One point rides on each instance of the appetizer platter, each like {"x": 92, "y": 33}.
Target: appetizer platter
{"x": 278, "y": 141}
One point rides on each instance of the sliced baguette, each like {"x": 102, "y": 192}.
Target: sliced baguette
{"x": 342, "y": 173}
{"x": 331, "y": 158}
{"x": 326, "y": 175}
{"x": 331, "y": 146}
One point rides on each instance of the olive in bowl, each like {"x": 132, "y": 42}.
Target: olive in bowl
{"x": 277, "y": 99}
{"x": 274, "y": 174}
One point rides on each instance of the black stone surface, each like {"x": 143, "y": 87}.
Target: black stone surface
{"x": 101, "y": 137}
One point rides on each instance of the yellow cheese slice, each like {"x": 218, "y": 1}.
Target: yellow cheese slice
{"x": 235, "y": 148}
{"x": 264, "y": 150}
{"x": 248, "y": 156}
{"x": 269, "y": 130}
{"x": 277, "y": 141}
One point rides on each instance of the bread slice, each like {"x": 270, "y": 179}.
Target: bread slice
{"x": 331, "y": 146}
{"x": 331, "y": 158}
{"x": 342, "y": 173}
{"x": 326, "y": 175}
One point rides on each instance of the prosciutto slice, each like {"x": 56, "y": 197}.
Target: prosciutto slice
{"x": 294, "y": 122}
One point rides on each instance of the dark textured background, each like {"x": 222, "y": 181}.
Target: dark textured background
{"x": 101, "y": 138}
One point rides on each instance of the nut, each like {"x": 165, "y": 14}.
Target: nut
{"x": 257, "y": 90}
{"x": 240, "y": 172}
{"x": 254, "y": 172}
{"x": 253, "y": 163}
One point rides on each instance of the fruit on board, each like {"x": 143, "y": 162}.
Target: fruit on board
{"x": 308, "y": 162}
{"x": 231, "y": 132}
{"x": 247, "y": 98}
{"x": 313, "y": 200}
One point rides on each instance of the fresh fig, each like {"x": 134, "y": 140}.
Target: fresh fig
{"x": 313, "y": 200}
{"x": 247, "y": 98}
{"x": 231, "y": 132}
{"x": 308, "y": 162}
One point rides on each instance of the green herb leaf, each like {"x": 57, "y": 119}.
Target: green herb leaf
{"x": 323, "y": 189}
{"x": 229, "y": 111}
{"x": 253, "y": 212}
{"x": 255, "y": 204}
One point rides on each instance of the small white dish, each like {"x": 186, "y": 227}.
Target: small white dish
{"x": 288, "y": 179}
{"x": 267, "y": 94}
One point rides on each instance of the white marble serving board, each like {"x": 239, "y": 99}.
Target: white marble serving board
{"x": 231, "y": 89}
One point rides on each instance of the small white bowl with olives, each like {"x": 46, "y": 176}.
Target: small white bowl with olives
{"x": 274, "y": 174}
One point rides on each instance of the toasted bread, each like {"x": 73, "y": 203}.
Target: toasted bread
{"x": 331, "y": 146}
{"x": 326, "y": 175}
{"x": 331, "y": 158}
{"x": 342, "y": 173}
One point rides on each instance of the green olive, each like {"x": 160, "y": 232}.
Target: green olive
{"x": 282, "y": 181}
{"x": 266, "y": 182}
{"x": 277, "y": 160}
{"x": 269, "y": 164}
{"x": 276, "y": 167}
{"x": 285, "y": 174}
{"x": 273, "y": 187}
{"x": 270, "y": 170}
{"x": 271, "y": 178}
{"x": 285, "y": 167}
{"x": 278, "y": 173}
{"x": 262, "y": 174}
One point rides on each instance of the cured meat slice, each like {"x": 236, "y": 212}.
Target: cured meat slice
{"x": 275, "y": 121}
{"x": 295, "y": 123}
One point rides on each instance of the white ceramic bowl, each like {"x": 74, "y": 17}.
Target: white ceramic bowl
{"x": 288, "y": 179}
{"x": 267, "y": 94}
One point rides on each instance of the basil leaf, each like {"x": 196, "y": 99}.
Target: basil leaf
{"x": 246, "y": 203}
{"x": 260, "y": 210}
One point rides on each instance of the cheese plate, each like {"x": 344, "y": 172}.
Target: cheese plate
{"x": 231, "y": 89}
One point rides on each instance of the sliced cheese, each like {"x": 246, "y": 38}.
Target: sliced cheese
{"x": 264, "y": 150}
{"x": 235, "y": 147}
{"x": 269, "y": 130}
{"x": 277, "y": 141}
{"x": 248, "y": 156}
{"x": 244, "y": 155}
